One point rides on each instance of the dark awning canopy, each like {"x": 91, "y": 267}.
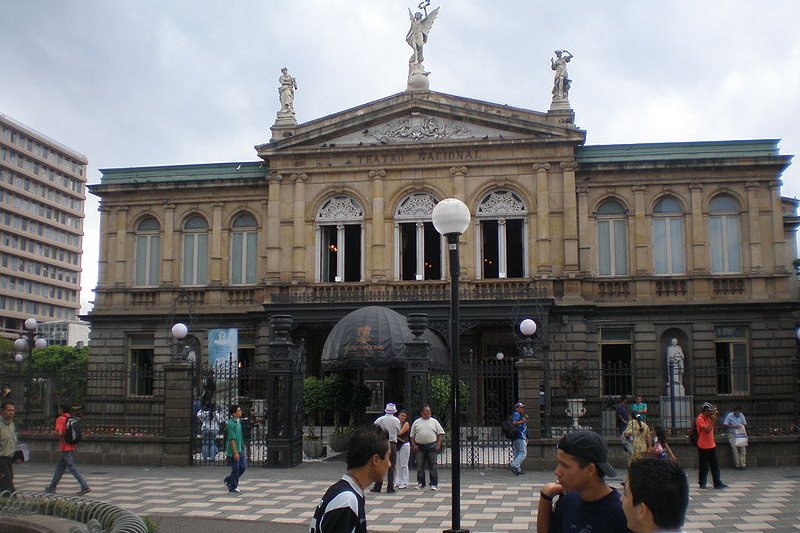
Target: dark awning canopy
{"x": 372, "y": 337}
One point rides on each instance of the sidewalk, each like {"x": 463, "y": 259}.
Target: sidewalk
{"x": 283, "y": 500}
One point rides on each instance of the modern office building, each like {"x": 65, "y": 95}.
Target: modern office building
{"x": 42, "y": 196}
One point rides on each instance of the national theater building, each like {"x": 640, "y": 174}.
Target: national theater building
{"x": 613, "y": 250}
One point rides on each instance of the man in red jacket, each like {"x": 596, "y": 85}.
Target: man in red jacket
{"x": 66, "y": 461}
{"x": 707, "y": 446}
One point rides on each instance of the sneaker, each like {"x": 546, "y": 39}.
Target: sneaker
{"x": 235, "y": 491}
{"x": 401, "y": 486}
{"x": 434, "y": 487}
{"x": 420, "y": 486}
{"x": 703, "y": 486}
{"x": 721, "y": 486}
{"x": 390, "y": 491}
{"x": 83, "y": 491}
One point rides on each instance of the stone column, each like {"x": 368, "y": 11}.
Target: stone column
{"x": 378, "y": 258}
{"x": 586, "y": 243}
{"x": 418, "y": 365}
{"x": 571, "y": 265}
{"x": 273, "y": 228}
{"x": 168, "y": 256}
{"x": 299, "y": 229}
{"x": 120, "y": 257}
{"x": 640, "y": 263}
{"x": 177, "y": 444}
{"x": 698, "y": 232}
{"x": 105, "y": 244}
{"x": 468, "y": 245}
{"x": 285, "y": 382}
{"x": 778, "y": 237}
{"x": 753, "y": 218}
{"x": 543, "y": 218}
{"x": 215, "y": 268}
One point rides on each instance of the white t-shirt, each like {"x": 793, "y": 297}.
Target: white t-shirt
{"x": 425, "y": 431}
{"x": 391, "y": 424}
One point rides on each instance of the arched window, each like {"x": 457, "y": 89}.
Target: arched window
{"x": 148, "y": 248}
{"x": 418, "y": 246}
{"x": 195, "y": 251}
{"x": 502, "y": 232}
{"x": 612, "y": 239}
{"x": 339, "y": 236}
{"x": 724, "y": 236}
{"x": 244, "y": 239}
{"x": 668, "y": 237}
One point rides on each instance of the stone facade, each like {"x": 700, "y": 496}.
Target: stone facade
{"x": 613, "y": 250}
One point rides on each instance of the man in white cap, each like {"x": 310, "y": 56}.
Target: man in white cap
{"x": 391, "y": 424}
{"x": 520, "y": 444}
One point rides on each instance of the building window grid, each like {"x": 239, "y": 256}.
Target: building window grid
{"x": 612, "y": 239}
{"x": 244, "y": 247}
{"x": 195, "y": 251}
{"x": 502, "y": 231}
{"x": 148, "y": 249}
{"x": 724, "y": 235}
{"x": 731, "y": 347}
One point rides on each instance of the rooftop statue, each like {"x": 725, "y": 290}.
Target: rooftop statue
{"x": 420, "y": 28}
{"x": 561, "y": 81}
{"x": 286, "y": 92}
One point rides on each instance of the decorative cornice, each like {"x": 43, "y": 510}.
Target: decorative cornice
{"x": 541, "y": 167}
{"x": 569, "y": 166}
{"x": 301, "y": 177}
{"x": 458, "y": 171}
{"x": 695, "y": 186}
{"x": 639, "y": 188}
{"x": 377, "y": 173}
{"x": 275, "y": 176}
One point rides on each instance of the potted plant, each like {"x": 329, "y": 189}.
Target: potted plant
{"x": 348, "y": 401}
{"x": 314, "y": 400}
{"x": 572, "y": 379}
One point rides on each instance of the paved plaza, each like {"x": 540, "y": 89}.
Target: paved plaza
{"x": 765, "y": 499}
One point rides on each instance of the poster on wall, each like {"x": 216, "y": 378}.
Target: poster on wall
{"x": 222, "y": 349}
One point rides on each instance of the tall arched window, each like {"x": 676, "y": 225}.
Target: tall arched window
{"x": 148, "y": 248}
{"x": 502, "y": 232}
{"x": 339, "y": 236}
{"x": 668, "y": 237}
{"x": 195, "y": 251}
{"x": 244, "y": 238}
{"x": 612, "y": 239}
{"x": 724, "y": 236}
{"x": 418, "y": 246}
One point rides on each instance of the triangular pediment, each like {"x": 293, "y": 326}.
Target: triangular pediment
{"x": 426, "y": 117}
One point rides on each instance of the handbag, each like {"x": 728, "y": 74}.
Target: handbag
{"x": 740, "y": 437}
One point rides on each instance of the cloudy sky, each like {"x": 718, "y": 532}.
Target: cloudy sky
{"x": 153, "y": 82}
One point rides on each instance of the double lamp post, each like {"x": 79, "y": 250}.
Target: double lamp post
{"x": 24, "y": 347}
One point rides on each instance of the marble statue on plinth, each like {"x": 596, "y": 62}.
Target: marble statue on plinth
{"x": 416, "y": 38}
{"x": 561, "y": 81}
{"x": 286, "y": 92}
{"x": 675, "y": 362}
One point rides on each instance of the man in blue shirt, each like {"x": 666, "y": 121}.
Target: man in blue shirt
{"x": 520, "y": 444}
{"x": 735, "y": 424}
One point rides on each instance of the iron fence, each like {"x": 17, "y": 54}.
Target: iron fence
{"x": 109, "y": 400}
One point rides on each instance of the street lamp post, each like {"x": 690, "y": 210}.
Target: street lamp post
{"x": 451, "y": 219}
{"x": 182, "y": 350}
{"x": 26, "y": 344}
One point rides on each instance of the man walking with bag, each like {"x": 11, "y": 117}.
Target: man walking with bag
{"x": 390, "y": 424}
{"x": 67, "y": 447}
{"x": 735, "y": 424}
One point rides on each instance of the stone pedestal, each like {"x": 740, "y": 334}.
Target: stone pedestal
{"x": 177, "y": 445}
{"x": 684, "y": 412}
{"x": 417, "y": 77}
{"x": 284, "y": 126}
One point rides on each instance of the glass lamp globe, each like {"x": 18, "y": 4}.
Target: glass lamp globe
{"x": 527, "y": 327}
{"x": 40, "y": 343}
{"x": 30, "y": 324}
{"x": 20, "y": 345}
{"x": 18, "y": 357}
{"x": 450, "y": 216}
{"x": 179, "y": 331}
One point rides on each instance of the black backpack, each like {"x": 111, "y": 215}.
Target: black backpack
{"x": 73, "y": 433}
{"x": 693, "y": 434}
{"x": 510, "y": 431}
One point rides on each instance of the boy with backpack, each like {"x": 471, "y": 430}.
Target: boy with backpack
{"x": 68, "y": 430}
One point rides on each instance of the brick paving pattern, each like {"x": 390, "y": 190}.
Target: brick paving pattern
{"x": 492, "y": 500}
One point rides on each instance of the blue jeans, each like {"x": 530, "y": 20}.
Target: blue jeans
{"x": 426, "y": 457}
{"x": 520, "y": 450}
{"x": 209, "y": 444}
{"x": 66, "y": 462}
{"x": 237, "y": 470}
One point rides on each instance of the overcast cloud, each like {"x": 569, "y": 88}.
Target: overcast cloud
{"x": 152, "y": 82}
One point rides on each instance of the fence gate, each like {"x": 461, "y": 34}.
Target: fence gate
{"x": 488, "y": 394}
{"x": 215, "y": 391}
